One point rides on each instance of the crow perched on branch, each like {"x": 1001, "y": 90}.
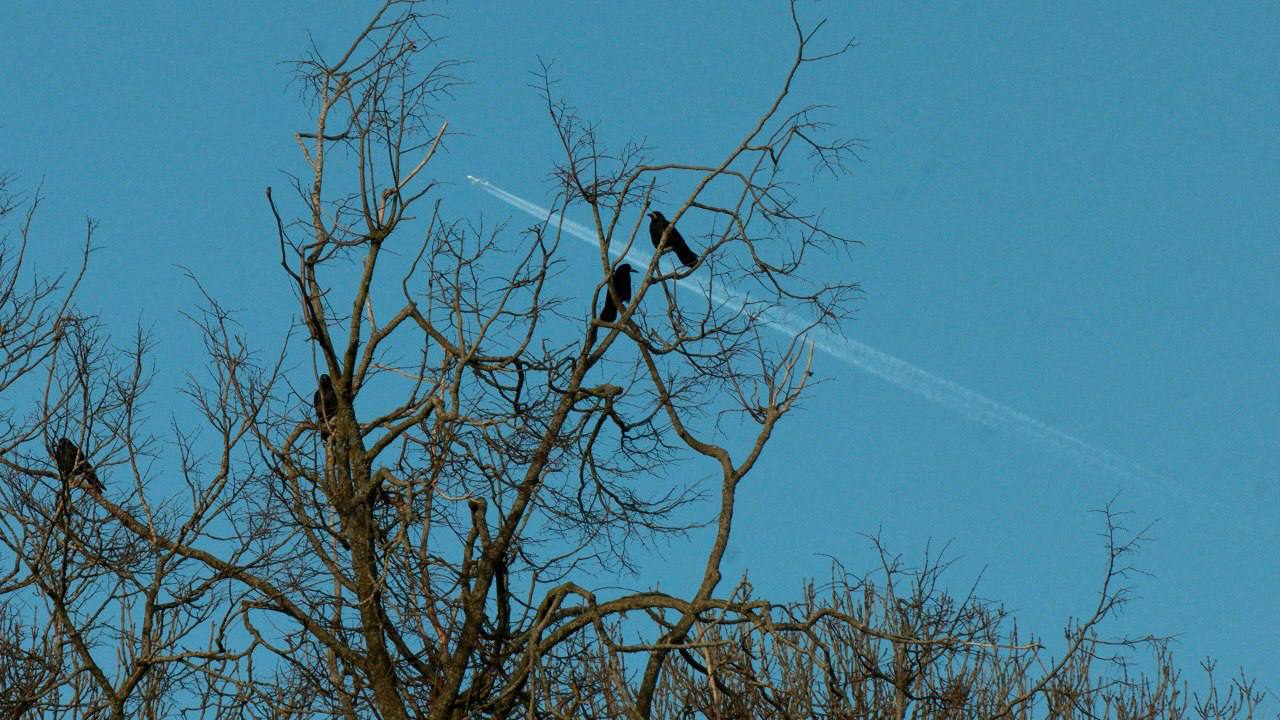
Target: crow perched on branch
{"x": 74, "y": 467}
{"x": 326, "y": 402}
{"x": 621, "y": 283}
{"x": 675, "y": 241}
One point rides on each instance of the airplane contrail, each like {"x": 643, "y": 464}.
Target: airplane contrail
{"x": 893, "y": 370}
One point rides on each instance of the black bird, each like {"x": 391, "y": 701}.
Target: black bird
{"x": 675, "y": 241}
{"x": 621, "y": 283}
{"x": 326, "y": 402}
{"x": 74, "y": 467}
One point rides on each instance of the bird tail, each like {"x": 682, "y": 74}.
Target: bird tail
{"x": 687, "y": 256}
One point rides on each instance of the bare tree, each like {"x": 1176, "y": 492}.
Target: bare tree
{"x": 413, "y": 536}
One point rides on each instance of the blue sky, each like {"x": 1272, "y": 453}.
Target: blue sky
{"x": 1069, "y": 208}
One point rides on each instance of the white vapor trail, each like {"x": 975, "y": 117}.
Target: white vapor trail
{"x": 895, "y": 371}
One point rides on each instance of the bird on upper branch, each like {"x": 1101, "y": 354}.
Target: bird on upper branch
{"x": 675, "y": 241}
{"x": 74, "y": 467}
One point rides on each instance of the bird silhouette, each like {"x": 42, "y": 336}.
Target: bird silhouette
{"x": 620, "y": 281}
{"x": 675, "y": 241}
{"x": 73, "y": 466}
{"x": 326, "y": 402}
